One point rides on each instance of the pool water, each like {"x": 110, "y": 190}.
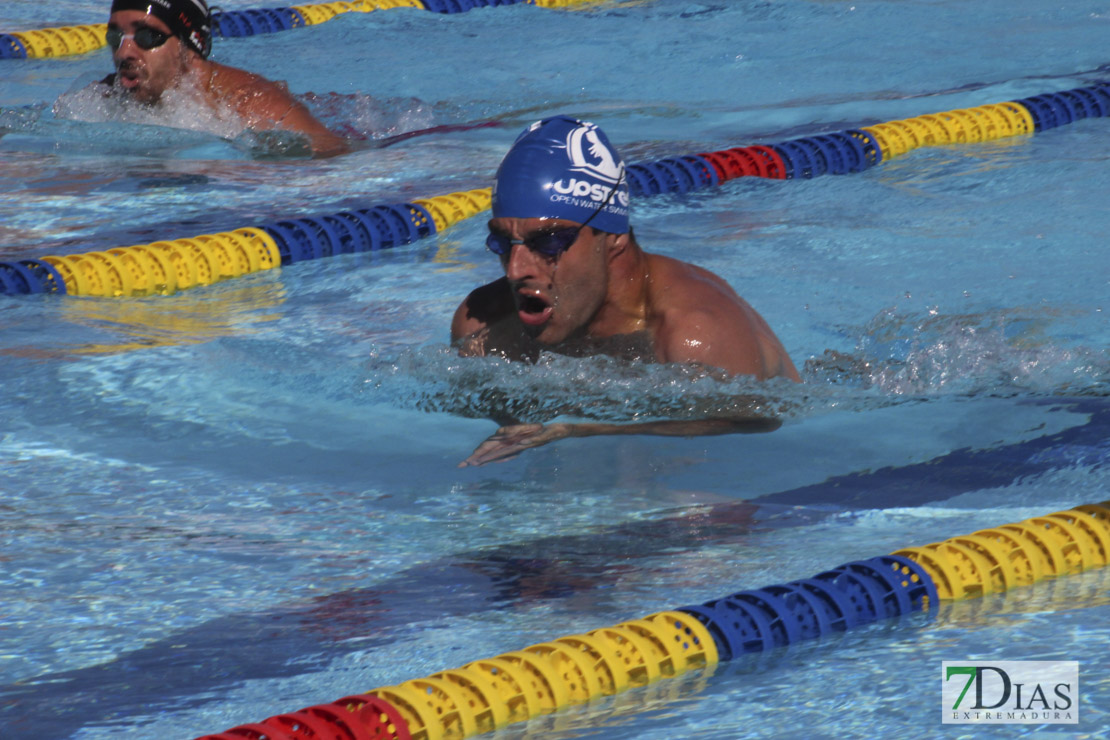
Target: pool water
{"x": 243, "y": 499}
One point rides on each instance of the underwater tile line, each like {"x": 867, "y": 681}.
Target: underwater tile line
{"x": 484, "y": 695}
{"x": 227, "y": 650}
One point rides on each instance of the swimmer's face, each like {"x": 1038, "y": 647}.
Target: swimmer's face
{"x": 146, "y": 73}
{"x": 555, "y": 297}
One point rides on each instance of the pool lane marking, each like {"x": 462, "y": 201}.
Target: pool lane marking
{"x": 667, "y": 644}
{"x": 234, "y": 648}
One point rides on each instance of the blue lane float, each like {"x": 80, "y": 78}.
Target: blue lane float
{"x": 362, "y": 230}
{"x": 30, "y": 276}
{"x": 11, "y": 47}
{"x": 239, "y": 23}
{"x": 848, "y": 596}
{"x": 1050, "y": 110}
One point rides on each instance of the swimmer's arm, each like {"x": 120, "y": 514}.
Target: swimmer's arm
{"x": 510, "y": 441}
{"x": 468, "y": 334}
{"x": 701, "y": 339}
{"x": 486, "y": 306}
{"x": 324, "y": 142}
{"x": 736, "y": 340}
{"x": 263, "y": 105}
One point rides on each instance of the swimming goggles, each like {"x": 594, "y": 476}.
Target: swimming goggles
{"x": 145, "y": 38}
{"x": 551, "y": 243}
{"x": 548, "y": 243}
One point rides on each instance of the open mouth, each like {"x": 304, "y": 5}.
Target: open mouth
{"x": 127, "y": 76}
{"x": 533, "y": 309}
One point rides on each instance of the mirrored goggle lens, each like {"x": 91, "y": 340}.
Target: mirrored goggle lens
{"x": 547, "y": 243}
{"x": 145, "y": 38}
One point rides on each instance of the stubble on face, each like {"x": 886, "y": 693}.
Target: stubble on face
{"x": 146, "y": 74}
{"x": 558, "y": 298}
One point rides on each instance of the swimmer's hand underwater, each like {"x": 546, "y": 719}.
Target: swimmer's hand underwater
{"x": 274, "y": 144}
{"x": 509, "y": 441}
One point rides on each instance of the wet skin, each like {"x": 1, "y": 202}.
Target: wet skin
{"x": 603, "y": 288}
{"x": 557, "y": 297}
{"x": 147, "y": 73}
{"x": 262, "y": 105}
{"x": 606, "y": 295}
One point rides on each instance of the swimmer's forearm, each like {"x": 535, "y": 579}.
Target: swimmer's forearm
{"x": 324, "y": 143}
{"x": 510, "y": 441}
{"x": 678, "y": 428}
{"x": 329, "y": 145}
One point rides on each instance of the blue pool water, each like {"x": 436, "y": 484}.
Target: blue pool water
{"x": 243, "y": 499}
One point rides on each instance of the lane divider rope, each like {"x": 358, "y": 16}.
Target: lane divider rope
{"x": 165, "y": 267}
{"x": 69, "y": 40}
{"x": 484, "y": 695}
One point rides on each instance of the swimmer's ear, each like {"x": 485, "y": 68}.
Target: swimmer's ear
{"x": 617, "y": 244}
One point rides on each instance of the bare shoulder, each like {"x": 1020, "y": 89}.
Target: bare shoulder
{"x": 226, "y": 78}
{"x": 488, "y": 305}
{"x": 248, "y": 92}
{"x": 265, "y": 104}
{"x": 698, "y": 317}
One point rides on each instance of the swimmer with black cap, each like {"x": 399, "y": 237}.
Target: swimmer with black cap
{"x": 577, "y": 283}
{"x": 160, "y": 46}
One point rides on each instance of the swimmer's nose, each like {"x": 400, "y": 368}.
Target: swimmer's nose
{"x": 127, "y": 48}
{"x": 522, "y": 263}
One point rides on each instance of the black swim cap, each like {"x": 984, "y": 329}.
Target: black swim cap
{"x": 190, "y": 20}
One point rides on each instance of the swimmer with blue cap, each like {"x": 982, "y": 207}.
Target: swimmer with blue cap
{"x": 160, "y": 49}
{"x": 577, "y": 283}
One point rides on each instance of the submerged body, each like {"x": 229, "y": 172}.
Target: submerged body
{"x": 577, "y": 283}
{"x": 160, "y": 56}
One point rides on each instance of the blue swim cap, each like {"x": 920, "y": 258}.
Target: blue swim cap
{"x": 563, "y": 168}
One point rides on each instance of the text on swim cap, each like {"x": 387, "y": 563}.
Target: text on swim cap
{"x": 579, "y": 203}
{"x": 596, "y": 191}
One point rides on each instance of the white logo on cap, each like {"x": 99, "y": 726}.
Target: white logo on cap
{"x": 588, "y": 154}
